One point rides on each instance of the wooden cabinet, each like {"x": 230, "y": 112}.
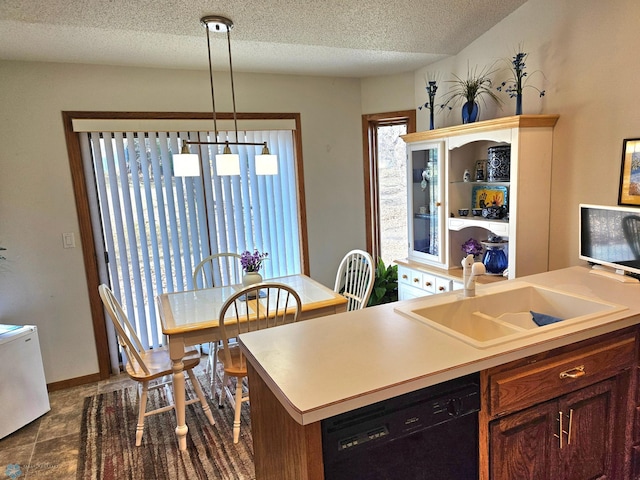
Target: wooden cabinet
{"x": 522, "y": 444}
{"x": 437, "y": 162}
{"x": 570, "y": 438}
{"x": 560, "y": 416}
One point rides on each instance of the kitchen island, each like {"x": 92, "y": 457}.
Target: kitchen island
{"x": 303, "y": 373}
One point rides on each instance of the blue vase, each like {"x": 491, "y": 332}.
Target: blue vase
{"x": 495, "y": 260}
{"x": 518, "y": 104}
{"x": 470, "y": 112}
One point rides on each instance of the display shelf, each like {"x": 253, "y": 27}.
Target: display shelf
{"x": 526, "y": 194}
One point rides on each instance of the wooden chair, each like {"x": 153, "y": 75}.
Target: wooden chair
{"x": 355, "y": 278}
{"x": 148, "y": 367}
{"x": 258, "y": 306}
{"x": 219, "y": 270}
{"x": 631, "y": 229}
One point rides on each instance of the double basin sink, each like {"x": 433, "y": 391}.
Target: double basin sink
{"x": 495, "y": 317}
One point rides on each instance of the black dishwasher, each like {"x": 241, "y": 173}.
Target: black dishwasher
{"x": 429, "y": 434}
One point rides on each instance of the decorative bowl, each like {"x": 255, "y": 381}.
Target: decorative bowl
{"x": 476, "y": 212}
{"x": 463, "y": 212}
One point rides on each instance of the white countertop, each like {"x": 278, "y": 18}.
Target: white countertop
{"x": 330, "y": 365}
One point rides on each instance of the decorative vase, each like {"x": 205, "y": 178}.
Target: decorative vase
{"x": 251, "y": 278}
{"x": 431, "y": 124}
{"x": 499, "y": 163}
{"x": 495, "y": 260}
{"x": 470, "y": 112}
{"x": 518, "y": 103}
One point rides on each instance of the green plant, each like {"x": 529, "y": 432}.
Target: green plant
{"x": 385, "y": 284}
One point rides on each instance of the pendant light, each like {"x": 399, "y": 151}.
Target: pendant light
{"x": 227, "y": 163}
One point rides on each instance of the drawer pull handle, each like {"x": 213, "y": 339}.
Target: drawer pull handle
{"x": 416, "y": 280}
{"x": 404, "y": 276}
{"x": 575, "y": 372}
{"x": 428, "y": 284}
{"x": 442, "y": 289}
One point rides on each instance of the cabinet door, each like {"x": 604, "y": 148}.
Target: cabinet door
{"x": 524, "y": 446}
{"x": 425, "y": 202}
{"x": 589, "y": 420}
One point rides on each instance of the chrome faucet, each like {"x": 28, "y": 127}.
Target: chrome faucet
{"x": 470, "y": 270}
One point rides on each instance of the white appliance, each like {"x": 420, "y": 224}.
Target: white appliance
{"x": 23, "y": 388}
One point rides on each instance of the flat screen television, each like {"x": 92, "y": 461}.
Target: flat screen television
{"x": 610, "y": 240}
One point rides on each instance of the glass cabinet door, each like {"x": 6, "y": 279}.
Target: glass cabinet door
{"x": 425, "y": 207}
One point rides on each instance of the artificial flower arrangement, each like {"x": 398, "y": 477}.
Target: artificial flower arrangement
{"x": 472, "y": 247}
{"x": 432, "y": 88}
{"x": 252, "y": 262}
{"x": 476, "y": 86}
{"x": 518, "y": 80}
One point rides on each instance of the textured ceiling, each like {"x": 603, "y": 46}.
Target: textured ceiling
{"x": 350, "y": 38}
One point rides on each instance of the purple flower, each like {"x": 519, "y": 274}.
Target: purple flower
{"x": 472, "y": 247}
{"x": 251, "y": 262}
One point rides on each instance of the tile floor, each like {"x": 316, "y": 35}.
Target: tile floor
{"x": 47, "y": 448}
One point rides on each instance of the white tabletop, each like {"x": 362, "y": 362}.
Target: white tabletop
{"x": 197, "y": 309}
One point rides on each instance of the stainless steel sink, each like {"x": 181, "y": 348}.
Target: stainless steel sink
{"x": 495, "y": 317}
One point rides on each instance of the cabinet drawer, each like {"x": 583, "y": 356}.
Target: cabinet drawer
{"x": 442, "y": 285}
{"x": 527, "y": 385}
{"x": 408, "y": 276}
{"x": 429, "y": 282}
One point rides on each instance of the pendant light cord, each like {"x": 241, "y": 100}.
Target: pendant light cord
{"x": 213, "y": 99}
{"x": 233, "y": 90}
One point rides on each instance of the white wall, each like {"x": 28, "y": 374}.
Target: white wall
{"x": 44, "y": 284}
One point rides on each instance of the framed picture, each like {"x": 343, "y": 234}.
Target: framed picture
{"x": 629, "y": 193}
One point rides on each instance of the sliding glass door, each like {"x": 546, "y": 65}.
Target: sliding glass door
{"x": 156, "y": 227}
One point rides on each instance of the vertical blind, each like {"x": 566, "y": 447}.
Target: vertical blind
{"x": 156, "y": 227}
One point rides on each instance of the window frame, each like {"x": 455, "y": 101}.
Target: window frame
{"x": 370, "y": 123}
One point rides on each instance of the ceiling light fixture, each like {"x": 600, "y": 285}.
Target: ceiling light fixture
{"x": 227, "y": 163}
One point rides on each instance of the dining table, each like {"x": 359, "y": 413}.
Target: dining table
{"x": 191, "y": 317}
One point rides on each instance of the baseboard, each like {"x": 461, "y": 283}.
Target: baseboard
{"x": 73, "y": 382}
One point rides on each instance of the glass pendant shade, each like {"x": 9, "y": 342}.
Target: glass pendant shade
{"x": 227, "y": 164}
{"x": 266, "y": 164}
{"x": 186, "y": 165}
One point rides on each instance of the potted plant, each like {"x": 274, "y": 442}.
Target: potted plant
{"x": 476, "y": 86}
{"x": 385, "y": 284}
{"x": 251, "y": 264}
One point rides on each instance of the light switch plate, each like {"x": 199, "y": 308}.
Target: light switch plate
{"x": 68, "y": 240}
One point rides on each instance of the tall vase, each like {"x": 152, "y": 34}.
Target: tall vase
{"x": 431, "y": 124}
{"x": 251, "y": 278}
{"x": 470, "y": 112}
{"x": 518, "y": 103}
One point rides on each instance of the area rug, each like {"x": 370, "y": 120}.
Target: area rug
{"x": 107, "y": 442}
